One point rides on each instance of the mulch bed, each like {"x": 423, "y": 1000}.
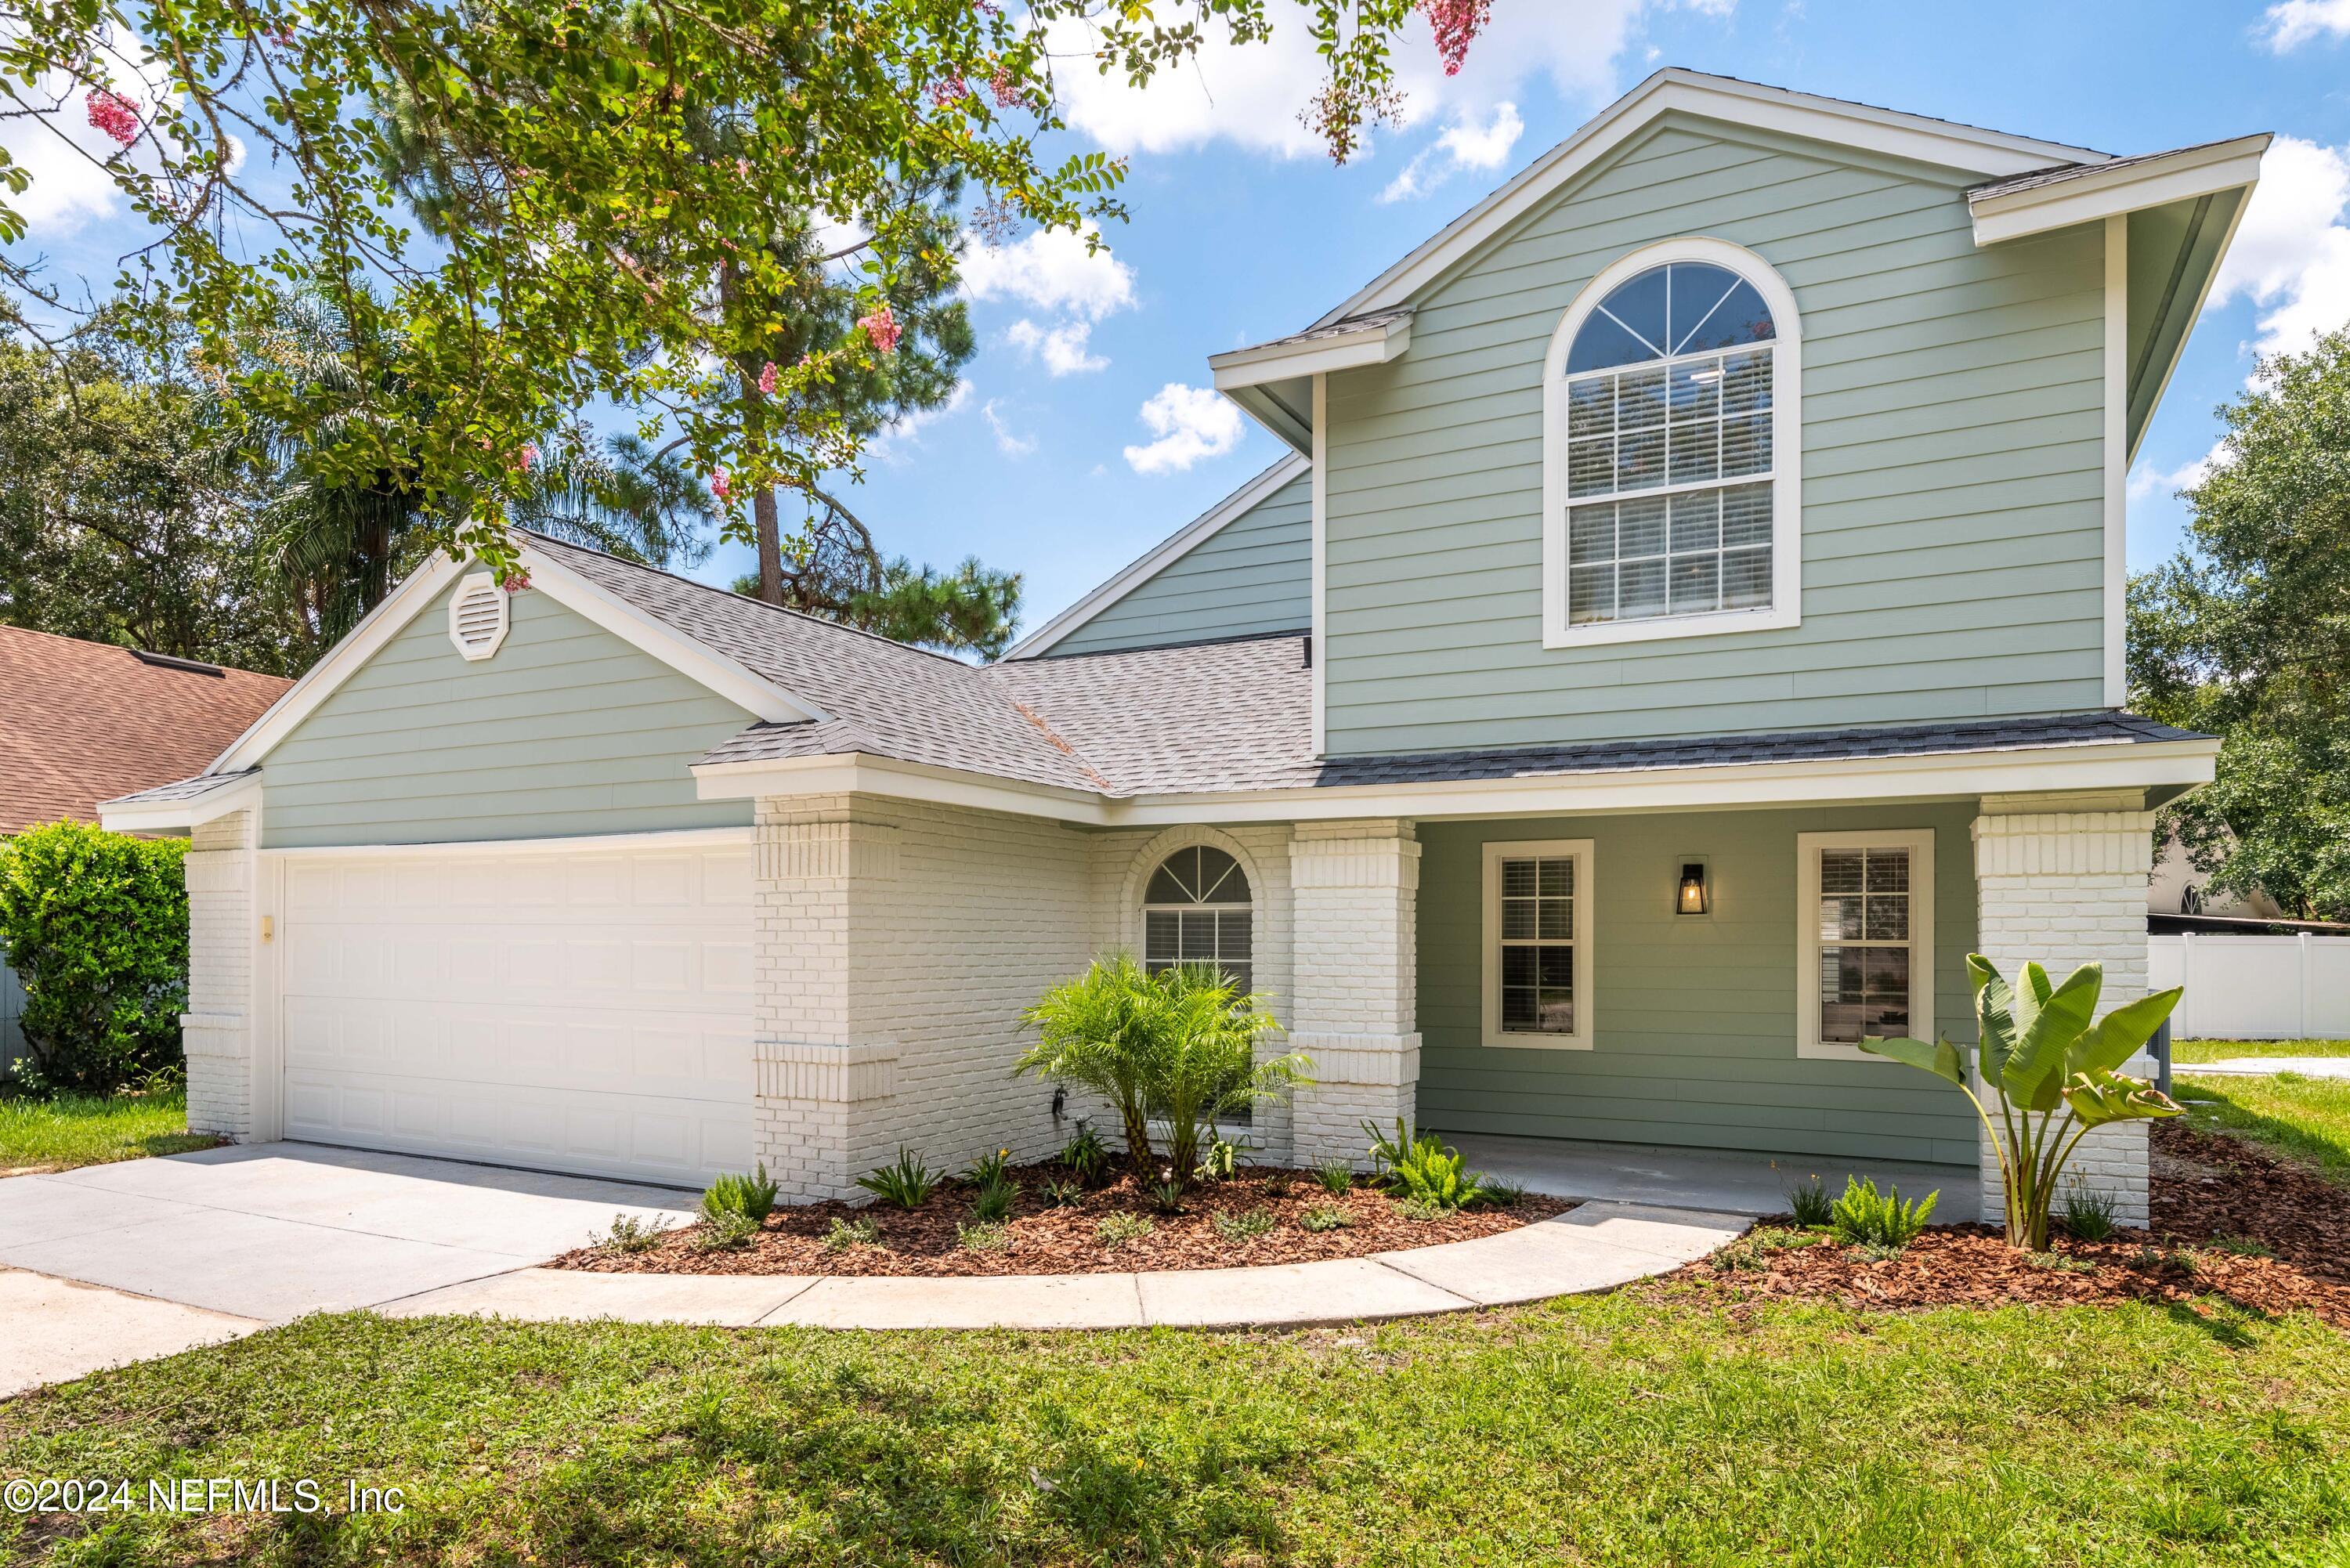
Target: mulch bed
{"x": 2206, "y": 1189}
{"x": 1038, "y": 1240}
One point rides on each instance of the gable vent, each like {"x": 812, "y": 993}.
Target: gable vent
{"x": 478, "y": 616}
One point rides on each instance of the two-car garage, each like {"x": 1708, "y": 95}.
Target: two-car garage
{"x": 571, "y": 1005}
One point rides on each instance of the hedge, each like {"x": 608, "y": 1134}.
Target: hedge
{"x": 96, "y": 926}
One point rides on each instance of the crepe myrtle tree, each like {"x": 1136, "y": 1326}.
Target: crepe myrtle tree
{"x": 2051, "y": 1073}
{"x": 606, "y": 255}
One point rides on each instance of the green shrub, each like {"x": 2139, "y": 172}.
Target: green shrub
{"x": 1118, "y": 1229}
{"x": 2243, "y": 1246}
{"x": 753, "y": 1197}
{"x": 989, "y": 1169}
{"x": 1866, "y": 1218}
{"x": 1336, "y": 1177}
{"x": 1278, "y": 1184}
{"x": 725, "y": 1231}
{"x": 1423, "y": 1172}
{"x": 631, "y": 1234}
{"x": 1810, "y": 1204}
{"x": 1086, "y": 1157}
{"x": 908, "y": 1184}
{"x": 985, "y": 1236}
{"x": 2089, "y": 1214}
{"x": 1061, "y": 1193}
{"x": 846, "y": 1233}
{"x": 1167, "y": 1195}
{"x": 992, "y": 1206}
{"x": 96, "y": 926}
{"x": 1245, "y": 1226}
{"x": 1220, "y": 1161}
{"x": 1327, "y": 1217}
{"x": 2059, "y": 1263}
{"x": 1495, "y": 1194}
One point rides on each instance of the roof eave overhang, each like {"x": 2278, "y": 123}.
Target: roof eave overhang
{"x": 1373, "y": 343}
{"x": 2162, "y": 768}
{"x": 134, "y": 816}
{"x": 2099, "y": 193}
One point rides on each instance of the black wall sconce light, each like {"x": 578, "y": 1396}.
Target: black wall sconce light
{"x": 1692, "y": 897}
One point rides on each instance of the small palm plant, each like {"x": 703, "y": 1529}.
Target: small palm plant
{"x": 1100, "y": 1032}
{"x": 1206, "y": 1064}
{"x": 2052, "y": 1073}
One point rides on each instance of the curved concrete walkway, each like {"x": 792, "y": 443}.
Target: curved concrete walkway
{"x": 1594, "y": 1247}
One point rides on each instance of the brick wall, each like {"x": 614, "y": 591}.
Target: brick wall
{"x": 217, "y": 1030}
{"x": 898, "y": 944}
{"x": 1355, "y": 887}
{"x": 2065, "y": 887}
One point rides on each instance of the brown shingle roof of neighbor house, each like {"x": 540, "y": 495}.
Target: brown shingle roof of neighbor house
{"x": 85, "y": 721}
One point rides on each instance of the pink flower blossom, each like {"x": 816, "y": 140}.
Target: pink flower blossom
{"x": 743, "y": 167}
{"x": 1456, "y": 24}
{"x": 1006, "y": 91}
{"x": 881, "y": 327}
{"x": 515, "y": 582}
{"x": 528, "y": 457}
{"x": 988, "y": 7}
{"x": 117, "y": 115}
{"x": 950, "y": 88}
{"x": 719, "y": 485}
{"x": 768, "y": 379}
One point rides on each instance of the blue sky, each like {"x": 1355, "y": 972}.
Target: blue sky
{"x": 1048, "y": 462}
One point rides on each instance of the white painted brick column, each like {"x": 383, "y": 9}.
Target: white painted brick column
{"x": 821, "y": 1089}
{"x": 223, "y": 869}
{"x": 1355, "y": 986}
{"x": 2066, "y": 888}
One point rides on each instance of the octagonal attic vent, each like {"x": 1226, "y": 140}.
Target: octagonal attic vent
{"x": 477, "y": 616}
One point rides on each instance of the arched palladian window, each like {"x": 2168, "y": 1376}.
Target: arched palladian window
{"x": 1670, "y": 462}
{"x": 1196, "y": 910}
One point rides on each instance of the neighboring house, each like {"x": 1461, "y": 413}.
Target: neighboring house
{"x": 83, "y": 722}
{"x": 1689, "y": 622}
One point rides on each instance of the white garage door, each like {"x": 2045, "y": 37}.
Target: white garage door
{"x": 582, "y": 1009}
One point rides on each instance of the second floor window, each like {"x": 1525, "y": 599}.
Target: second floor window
{"x": 1669, "y": 447}
{"x": 1670, "y": 477}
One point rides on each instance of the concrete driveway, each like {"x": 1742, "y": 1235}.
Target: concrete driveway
{"x": 213, "y": 1244}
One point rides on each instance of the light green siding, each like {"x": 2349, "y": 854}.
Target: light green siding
{"x": 1252, "y": 576}
{"x": 1951, "y": 459}
{"x": 568, "y": 729}
{"x": 1694, "y": 1038}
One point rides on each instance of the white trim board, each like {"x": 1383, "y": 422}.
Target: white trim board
{"x": 1160, "y": 557}
{"x": 2116, "y": 597}
{"x": 2133, "y": 185}
{"x": 179, "y": 815}
{"x": 670, "y": 838}
{"x": 1965, "y": 776}
{"x": 1288, "y": 358}
{"x": 1888, "y": 131}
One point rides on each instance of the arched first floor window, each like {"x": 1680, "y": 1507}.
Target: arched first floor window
{"x": 1671, "y": 446}
{"x": 1196, "y": 909}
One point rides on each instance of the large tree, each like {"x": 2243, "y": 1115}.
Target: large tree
{"x": 2247, "y": 635}
{"x": 258, "y": 136}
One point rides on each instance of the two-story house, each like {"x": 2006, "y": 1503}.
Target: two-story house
{"x": 1686, "y": 621}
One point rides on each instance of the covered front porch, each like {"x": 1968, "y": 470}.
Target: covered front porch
{"x": 1722, "y": 1181}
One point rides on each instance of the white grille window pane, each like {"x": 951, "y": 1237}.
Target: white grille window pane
{"x": 1591, "y": 467}
{"x": 1696, "y": 452}
{"x": 1696, "y": 584}
{"x": 1888, "y": 871}
{"x": 1888, "y": 919}
{"x": 1746, "y": 382}
{"x": 1640, "y": 528}
{"x": 1840, "y": 870}
{"x": 1745, "y": 515}
{"x": 1746, "y": 445}
{"x": 1591, "y": 535}
{"x": 1199, "y": 944}
{"x": 1696, "y": 390}
{"x": 1556, "y": 1014}
{"x": 1696, "y": 521}
{"x": 1591, "y": 407}
{"x": 1639, "y": 589}
{"x": 1518, "y": 923}
{"x": 1519, "y": 879}
{"x": 1162, "y": 939}
{"x": 1557, "y": 879}
{"x": 1745, "y": 579}
{"x": 1591, "y": 593}
{"x": 1866, "y": 963}
{"x": 1639, "y": 460}
{"x": 1537, "y": 945}
{"x": 1640, "y": 398}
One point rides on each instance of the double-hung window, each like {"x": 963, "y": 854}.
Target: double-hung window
{"x": 1670, "y": 461}
{"x": 1865, "y": 919}
{"x": 1537, "y": 943}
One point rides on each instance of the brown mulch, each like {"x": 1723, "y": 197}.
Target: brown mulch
{"x": 2206, "y": 1189}
{"x": 1042, "y": 1240}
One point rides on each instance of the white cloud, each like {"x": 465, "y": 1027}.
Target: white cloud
{"x": 1251, "y": 94}
{"x": 1008, "y": 441}
{"x": 2145, "y": 482}
{"x": 1051, "y": 270}
{"x": 2291, "y": 253}
{"x": 1062, "y": 348}
{"x": 63, "y": 151}
{"x": 1191, "y": 424}
{"x": 2296, "y": 22}
{"x": 1465, "y": 144}
{"x": 889, "y": 443}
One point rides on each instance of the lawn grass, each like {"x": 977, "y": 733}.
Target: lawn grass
{"x": 1620, "y": 1430}
{"x": 2183, "y": 1051}
{"x": 2304, "y": 1118}
{"x": 94, "y": 1129}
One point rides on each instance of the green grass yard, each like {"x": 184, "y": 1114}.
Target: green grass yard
{"x": 2305, "y": 1118}
{"x": 93, "y": 1129}
{"x": 1644, "y": 1427}
{"x": 2184, "y": 1052}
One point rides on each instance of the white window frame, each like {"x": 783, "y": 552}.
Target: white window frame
{"x": 1786, "y": 609}
{"x": 1248, "y": 906}
{"x": 1920, "y": 843}
{"x": 1585, "y": 885}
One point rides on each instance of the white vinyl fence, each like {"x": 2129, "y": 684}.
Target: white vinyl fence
{"x": 2255, "y": 988}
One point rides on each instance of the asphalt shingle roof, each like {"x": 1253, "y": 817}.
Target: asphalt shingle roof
{"x": 81, "y": 722}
